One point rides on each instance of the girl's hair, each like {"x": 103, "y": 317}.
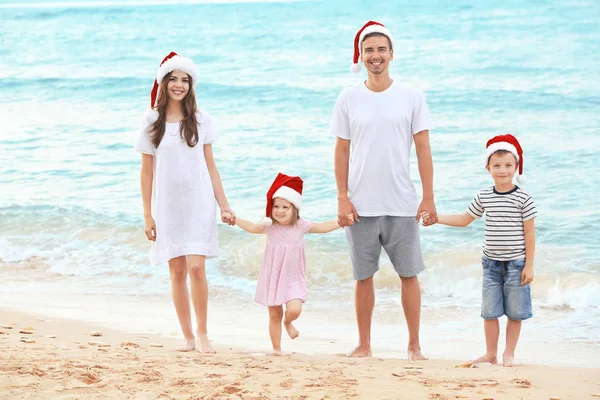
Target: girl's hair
{"x": 295, "y": 216}
{"x": 188, "y": 127}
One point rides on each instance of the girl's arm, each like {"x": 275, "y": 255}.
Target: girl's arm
{"x": 323, "y": 227}
{"x": 146, "y": 177}
{"x": 529, "y": 231}
{"x": 249, "y": 226}
{"x": 217, "y": 185}
{"x": 459, "y": 220}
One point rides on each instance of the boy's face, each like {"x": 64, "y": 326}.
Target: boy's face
{"x": 502, "y": 167}
{"x": 282, "y": 211}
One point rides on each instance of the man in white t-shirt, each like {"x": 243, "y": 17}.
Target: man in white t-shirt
{"x": 375, "y": 124}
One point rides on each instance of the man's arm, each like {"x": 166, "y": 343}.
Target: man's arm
{"x": 341, "y": 168}
{"x": 425, "y": 161}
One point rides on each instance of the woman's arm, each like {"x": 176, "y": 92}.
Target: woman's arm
{"x": 323, "y": 227}
{"x": 217, "y": 185}
{"x": 146, "y": 178}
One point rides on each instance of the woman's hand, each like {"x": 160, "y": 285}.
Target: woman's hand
{"x": 150, "y": 228}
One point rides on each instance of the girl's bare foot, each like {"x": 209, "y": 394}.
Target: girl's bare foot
{"x": 204, "y": 345}
{"x": 492, "y": 359}
{"x": 291, "y": 330}
{"x": 276, "y": 352}
{"x": 188, "y": 344}
{"x": 361, "y": 351}
{"x": 508, "y": 360}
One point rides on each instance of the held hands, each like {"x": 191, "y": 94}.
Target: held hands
{"x": 150, "y": 228}
{"x": 527, "y": 275}
{"x": 427, "y": 208}
{"x": 228, "y": 216}
{"x": 346, "y": 213}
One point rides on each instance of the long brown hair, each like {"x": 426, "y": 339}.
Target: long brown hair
{"x": 188, "y": 127}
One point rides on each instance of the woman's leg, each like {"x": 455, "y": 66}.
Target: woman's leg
{"x": 275, "y": 318}
{"x": 199, "y": 286}
{"x": 181, "y": 300}
{"x": 293, "y": 308}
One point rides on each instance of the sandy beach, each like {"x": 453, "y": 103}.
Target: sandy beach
{"x": 64, "y": 361}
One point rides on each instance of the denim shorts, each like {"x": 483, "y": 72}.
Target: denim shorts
{"x": 503, "y": 293}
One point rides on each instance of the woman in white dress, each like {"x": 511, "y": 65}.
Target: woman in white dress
{"x": 181, "y": 188}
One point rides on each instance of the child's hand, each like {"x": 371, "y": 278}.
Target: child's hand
{"x": 527, "y": 275}
{"x": 228, "y": 216}
{"x": 351, "y": 218}
{"x": 425, "y": 217}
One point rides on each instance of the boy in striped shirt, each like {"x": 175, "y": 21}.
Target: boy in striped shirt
{"x": 508, "y": 249}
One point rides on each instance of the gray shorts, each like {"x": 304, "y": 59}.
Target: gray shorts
{"x": 399, "y": 237}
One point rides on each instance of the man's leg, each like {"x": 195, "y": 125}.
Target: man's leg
{"x": 411, "y": 303}
{"x": 364, "y": 303}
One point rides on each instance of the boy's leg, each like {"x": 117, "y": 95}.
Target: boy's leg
{"x": 513, "y": 330}
{"x": 275, "y": 318}
{"x": 401, "y": 241}
{"x": 492, "y": 308}
{"x": 199, "y": 286}
{"x": 365, "y": 249}
{"x": 491, "y": 327}
{"x": 181, "y": 300}
{"x": 293, "y": 308}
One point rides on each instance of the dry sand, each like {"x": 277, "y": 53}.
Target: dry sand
{"x": 66, "y": 362}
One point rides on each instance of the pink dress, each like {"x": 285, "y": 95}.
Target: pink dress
{"x": 282, "y": 275}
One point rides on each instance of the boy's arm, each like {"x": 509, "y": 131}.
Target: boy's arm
{"x": 323, "y": 227}
{"x": 529, "y": 231}
{"x": 459, "y": 220}
{"x": 249, "y": 226}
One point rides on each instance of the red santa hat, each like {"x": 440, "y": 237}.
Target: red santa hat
{"x": 172, "y": 62}
{"x": 369, "y": 27}
{"x": 285, "y": 187}
{"x": 507, "y": 143}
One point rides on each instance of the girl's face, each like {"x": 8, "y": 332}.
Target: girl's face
{"x": 178, "y": 86}
{"x": 502, "y": 167}
{"x": 282, "y": 211}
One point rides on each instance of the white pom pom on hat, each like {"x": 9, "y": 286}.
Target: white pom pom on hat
{"x": 369, "y": 27}
{"x": 508, "y": 143}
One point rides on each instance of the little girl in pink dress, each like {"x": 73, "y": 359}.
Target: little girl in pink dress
{"x": 282, "y": 276}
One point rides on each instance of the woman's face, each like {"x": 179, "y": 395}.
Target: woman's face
{"x": 178, "y": 86}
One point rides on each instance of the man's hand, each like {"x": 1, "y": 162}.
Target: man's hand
{"x": 427, "y": 206}
{"x": 527, "y": 275}
{"x": 347, "y": 214}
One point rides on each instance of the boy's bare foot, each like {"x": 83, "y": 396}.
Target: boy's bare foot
{"x": 492, "y": 359}
{"x": 361, "y": 351}
{"x": 291, "y": 330}
{"x": 508, "y": 360}
{"x": 414, "y": 354}
{"x": 204, "y": 345}
{"x": 188, "y": 345}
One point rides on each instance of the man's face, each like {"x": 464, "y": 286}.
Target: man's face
{"x": 376, "y": 54}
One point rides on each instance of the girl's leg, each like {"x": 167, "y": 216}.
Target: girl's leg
{"x": 181, "y": 300}
{"x": 492, "y": 332}
{"x": 293, "y": 308}
{"x": 199, "y": 286}
{"x": 275, "y": 318}
{"x": 513, "y": 330}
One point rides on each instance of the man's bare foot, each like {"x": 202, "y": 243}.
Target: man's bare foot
{"x": 492, "y": 359}
{"x": 291, "y": 330}
{"x": 415, "y": 354}
{"x": 204, "y": 345}
{"x": 508, "y": 360}
{"x": 361, "y": 351}
{"x": 188, "y": 344}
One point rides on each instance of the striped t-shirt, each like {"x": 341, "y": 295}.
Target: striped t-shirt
{"x": 504, "y": 217}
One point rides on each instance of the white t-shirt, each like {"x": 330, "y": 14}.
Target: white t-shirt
{"x": 380, "y": 126}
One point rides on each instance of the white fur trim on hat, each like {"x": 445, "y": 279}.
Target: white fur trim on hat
{"x": 289, "y": 194}
{"x": 494, "y": 147}
{"x": 177, "y": 63}
{"x": 375, "y": 29}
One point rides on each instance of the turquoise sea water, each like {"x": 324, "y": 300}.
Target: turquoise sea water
{"x": 75, "y": 78}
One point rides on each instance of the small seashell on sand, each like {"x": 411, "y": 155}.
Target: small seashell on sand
{"x": 26, "y": 332}
{"x": 155, "y": 344}
{"x": 95, "y": 333}
{"x": 27, "y": 340}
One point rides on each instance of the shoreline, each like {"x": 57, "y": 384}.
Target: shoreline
{"x": 67, "y": 366}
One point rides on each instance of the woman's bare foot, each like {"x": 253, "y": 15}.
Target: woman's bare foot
{"x": 508, "y": 360}
{"x": 291, "y": 330}
{"x": 204, "y": 345}
{"x": 188, "y": 344}
{"x": 414, "y": 354}
{"x": 492, "y": 359}
{"x": 361, "y": 351}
